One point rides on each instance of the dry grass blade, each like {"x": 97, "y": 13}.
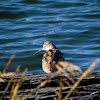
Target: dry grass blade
{"x": 7, "y": 66}
{"x": 82, "y": 76}
{"x": 44, "y": 82}
{"x": 69, "y": 66}
{"x": 48, "y": 80}
{"x": 36, "y": 89}
{"x": 77, "y": 92}
{"x": 65, "y": 73}
{"x": 57, "y": 93}
{"x": 60, "y": 91}
{"x": 15, "y": 81}
{"x": 68, "y": 76}
{"x": 1, "y": 80}
{"x": 54, "y": 98}
{"x": 72, "y": 80}
{"x": 66, "y": 82}
{"x": 18, "y": 84}
{"x": 9, "y": 83}
{"x": 7, "y": 74}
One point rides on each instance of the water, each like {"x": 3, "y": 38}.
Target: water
{"x": 72, "y": 25}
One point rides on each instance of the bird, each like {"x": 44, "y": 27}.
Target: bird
{"x": 50, "y": 57}
{"x": 54, "y": 57}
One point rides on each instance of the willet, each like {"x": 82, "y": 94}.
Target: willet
{"x": 54, "y": 56}
{"x": 51, "y": 56}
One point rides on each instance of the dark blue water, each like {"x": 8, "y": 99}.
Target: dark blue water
{"x": 72, "y": 25}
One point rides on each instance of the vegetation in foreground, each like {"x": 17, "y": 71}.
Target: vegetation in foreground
{"x": 15, "y": 82}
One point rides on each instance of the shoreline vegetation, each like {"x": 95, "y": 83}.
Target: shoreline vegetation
{"x": 60, "y": 85}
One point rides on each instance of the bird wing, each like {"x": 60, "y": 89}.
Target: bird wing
{"x": 58, "y": 56}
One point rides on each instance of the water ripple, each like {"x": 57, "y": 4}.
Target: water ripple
{"x": 72, "y": 25}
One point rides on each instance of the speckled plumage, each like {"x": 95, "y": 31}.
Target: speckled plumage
{"x": 51, "y": 56}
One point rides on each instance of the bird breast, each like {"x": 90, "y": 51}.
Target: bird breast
{"x": 50, "y": 58}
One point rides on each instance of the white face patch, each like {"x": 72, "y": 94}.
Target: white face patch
{"x": 48, "y": 46}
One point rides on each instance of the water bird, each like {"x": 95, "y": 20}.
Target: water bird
{"x": 51, "y": 57}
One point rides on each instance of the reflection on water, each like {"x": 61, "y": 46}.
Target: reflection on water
{"x": 73, "y": 26}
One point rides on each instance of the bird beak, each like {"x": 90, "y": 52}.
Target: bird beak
{"x": 38, "y": 51}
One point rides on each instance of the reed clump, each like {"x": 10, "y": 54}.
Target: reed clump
{"x": 15, "y": 82}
